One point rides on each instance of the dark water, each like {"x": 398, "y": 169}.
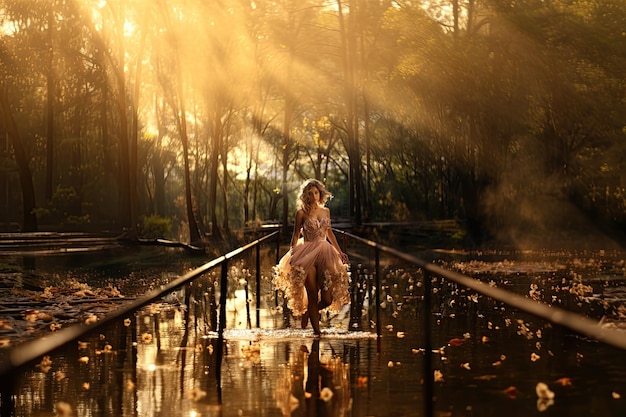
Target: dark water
{"x": 489, "y": 359}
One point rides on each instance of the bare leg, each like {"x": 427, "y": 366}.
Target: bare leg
{"x": 311, "y": 289}
{"x": 325, "y": 300}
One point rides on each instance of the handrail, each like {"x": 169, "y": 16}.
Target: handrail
{"x": 556, "y": 315}
{"x": 32, "y": 350}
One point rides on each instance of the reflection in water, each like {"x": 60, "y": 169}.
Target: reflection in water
{"x": 311, "y": 387}
{"x": 163, "y": 361}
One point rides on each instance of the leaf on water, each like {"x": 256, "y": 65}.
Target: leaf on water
{"x": 45, "y": 365}
{"x": 438, "y": 376}
{"x": 326, "y": 394}
{"x": 196, "y": 394}
{"x": 512, "y": 392}
{"x": 455, "y": 342}
{"x": 543, "y": 391}
{"x": 564, "y": 382}
{"x": 63, "y": 409}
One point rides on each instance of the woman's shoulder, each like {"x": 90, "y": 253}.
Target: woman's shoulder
{"x": 300, "y": 214}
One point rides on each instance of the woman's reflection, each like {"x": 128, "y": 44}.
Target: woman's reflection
{"x": 316, "y": 387}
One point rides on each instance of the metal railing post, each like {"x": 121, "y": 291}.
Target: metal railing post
{"x": 221, "y": 326}
{"x": 258, "y": 286}
{"x": 428, "y": 348}
{"x": 377, "y": 281}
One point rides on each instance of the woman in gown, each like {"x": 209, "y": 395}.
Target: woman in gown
{"x": 313, "y": 275}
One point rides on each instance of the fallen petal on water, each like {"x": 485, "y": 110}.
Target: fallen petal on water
{"x": 196, "y": 394}
{"x": 326, "y": 394}
{"x": 512, "y": 392}
{"x": 438, "y": 376}
{"x": 63, "y": 409}
{"x": 543, "y": 391}
{"x": 543, "y": 404}
{"x": 565, "y": 382}
{"x": 456, "y": 342}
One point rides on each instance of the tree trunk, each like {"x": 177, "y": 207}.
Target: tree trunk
{"x": 50, "y": 81}
{"x": 348, "y": 51}
{"x": 224, "y": 158}
{"x": 26, "y": 178}
{"x": 285, "y": 163}
{"x": 215, "y": 152}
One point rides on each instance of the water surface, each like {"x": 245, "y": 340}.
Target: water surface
{"x": 488, "y": 359}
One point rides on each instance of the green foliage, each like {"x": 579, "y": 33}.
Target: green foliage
{"x": 64, "y": 208}
{"x": 156, "y": 227}
{"x": 487, "y": 116}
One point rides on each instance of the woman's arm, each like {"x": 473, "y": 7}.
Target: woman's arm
{"x": 333, "y": 241}
{"x": 297, "y": 227}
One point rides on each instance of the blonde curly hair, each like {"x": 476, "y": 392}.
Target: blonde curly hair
{"x": 303, "y": 199}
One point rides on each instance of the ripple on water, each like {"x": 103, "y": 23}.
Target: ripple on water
{"x": 290, "y": 334}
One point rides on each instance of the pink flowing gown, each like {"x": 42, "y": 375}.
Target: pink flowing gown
{"x": 312, "y": 251}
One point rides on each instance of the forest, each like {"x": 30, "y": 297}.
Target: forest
{"x": 192, "y": 118}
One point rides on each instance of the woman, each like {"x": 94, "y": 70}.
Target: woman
{"x": 314, "y": 262}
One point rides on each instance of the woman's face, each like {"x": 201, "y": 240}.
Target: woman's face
{"x": 313, "y": 195}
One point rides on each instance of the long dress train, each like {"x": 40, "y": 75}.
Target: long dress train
{"x": 312, "y": 251}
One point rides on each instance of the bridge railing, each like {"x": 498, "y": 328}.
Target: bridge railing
{"x": 555, "y": 315}
{"x": 34, "y": 350}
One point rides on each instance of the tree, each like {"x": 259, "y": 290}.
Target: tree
{"x": 26, "y": 179}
